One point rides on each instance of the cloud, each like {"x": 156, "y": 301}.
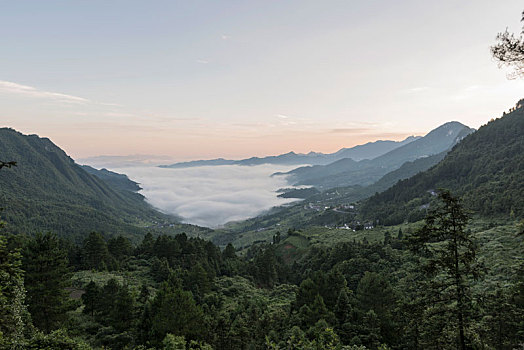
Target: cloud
{"x": 19, "y": 89}
{"x": 202, "y": 61}
{"x": 211, "y": 196}
{"x": 225, "y": 37}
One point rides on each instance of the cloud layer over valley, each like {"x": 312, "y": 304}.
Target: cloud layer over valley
{"x": 210, "y": 196}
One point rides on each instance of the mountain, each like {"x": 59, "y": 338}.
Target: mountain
{"x": 196, "y": 163}
{"x": 486, "y": 169}
{"x": 350, "y": 194}
{"x": 372, "y": 150}
{"x": 438, "y": 140}
{"x": 114, "y": 180}
{"x": 347, "y": 172}
{"x": 369, "y": 150}
{"x": 47, "y": 190}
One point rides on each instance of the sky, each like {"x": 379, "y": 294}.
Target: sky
{"x": 205, "y": 79}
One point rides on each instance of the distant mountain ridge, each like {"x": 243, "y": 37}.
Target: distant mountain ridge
{"x": 348, "y": 172}
{"x": 369, "y": 150}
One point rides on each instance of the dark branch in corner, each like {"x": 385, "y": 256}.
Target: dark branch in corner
{"x": 7, "y": 164}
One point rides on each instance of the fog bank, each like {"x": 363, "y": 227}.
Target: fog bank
{"x": 211, "y": 195}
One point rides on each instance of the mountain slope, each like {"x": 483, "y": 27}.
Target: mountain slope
{"x": 115, "y": 180}
{"x": 369, "y": 150}
{"x": 372, "y": 150}
{"x": 352, "y": 194}
{"x": 48, "y": 191}
{"x": 486, "y": 169}
{"x": 366, "y": 172}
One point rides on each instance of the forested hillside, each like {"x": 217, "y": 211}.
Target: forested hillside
{"x": 116, "y": 181}
{"x": 48, "y": 191}
{"x": 486, "y": 169}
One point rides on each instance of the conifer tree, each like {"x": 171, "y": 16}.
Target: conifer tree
{"x": 343, "y": 308}
{"x": 95, "y": 253}
{"x": 91, "y": 298}
{"x": 448, "y": 259}
{"x": 46, "y": 278}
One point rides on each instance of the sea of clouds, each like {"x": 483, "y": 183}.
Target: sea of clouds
{"x": 210, "y": 195}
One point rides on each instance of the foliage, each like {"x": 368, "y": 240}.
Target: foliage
{"x": 57, "y": 340}
{"x": 448, "y": 259}
{"x": 46, "y": 277}
{"x": 509, "y": 51}
{"x": 13, "y": 311}
{"x": 172, "y": 311}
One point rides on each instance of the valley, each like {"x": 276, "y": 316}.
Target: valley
{"x": 299, "y": 175}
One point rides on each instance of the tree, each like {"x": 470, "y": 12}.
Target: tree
{"x": 343, "y": 308}
{"x": 374, "y": 293}
{"x": 123, "y": 310}
{"x": 7, "y": 164}
{"x": 147, "y": 246}
{"x": 509, "y": 51}
{"x": 95, "y": 252}
{"x": 172, "y": 342}
{"x": 120, "y": 248}
{"x": 172, "y": 311}
{"x": 53, "y": 341}
{"x": 13, "y": 311}
{"x": 448, "y": 259}
{"x": 91, "y": 298}
{"x": 229, "y": 252}
{"x": 46, "y": 278}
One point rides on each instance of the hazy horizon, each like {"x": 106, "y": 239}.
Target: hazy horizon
{"x": 122, "y": 161}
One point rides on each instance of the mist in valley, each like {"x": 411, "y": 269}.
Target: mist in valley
{"x": 211, "y": 195}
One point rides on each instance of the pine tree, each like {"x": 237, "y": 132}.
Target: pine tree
{"x": 229, "y": 252}
{"x": 448, "y": 259}
{"x": 91, "y": 298}
{"x": 95, "y": 253}
{"x": 120, "y": 248}
{"x": 46, "y": 278}
{"x": 343, "y": 308}
{"x": 146, "y": 247}
{"x": 374, "y": 293}
{"x": 123, "y": 311}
